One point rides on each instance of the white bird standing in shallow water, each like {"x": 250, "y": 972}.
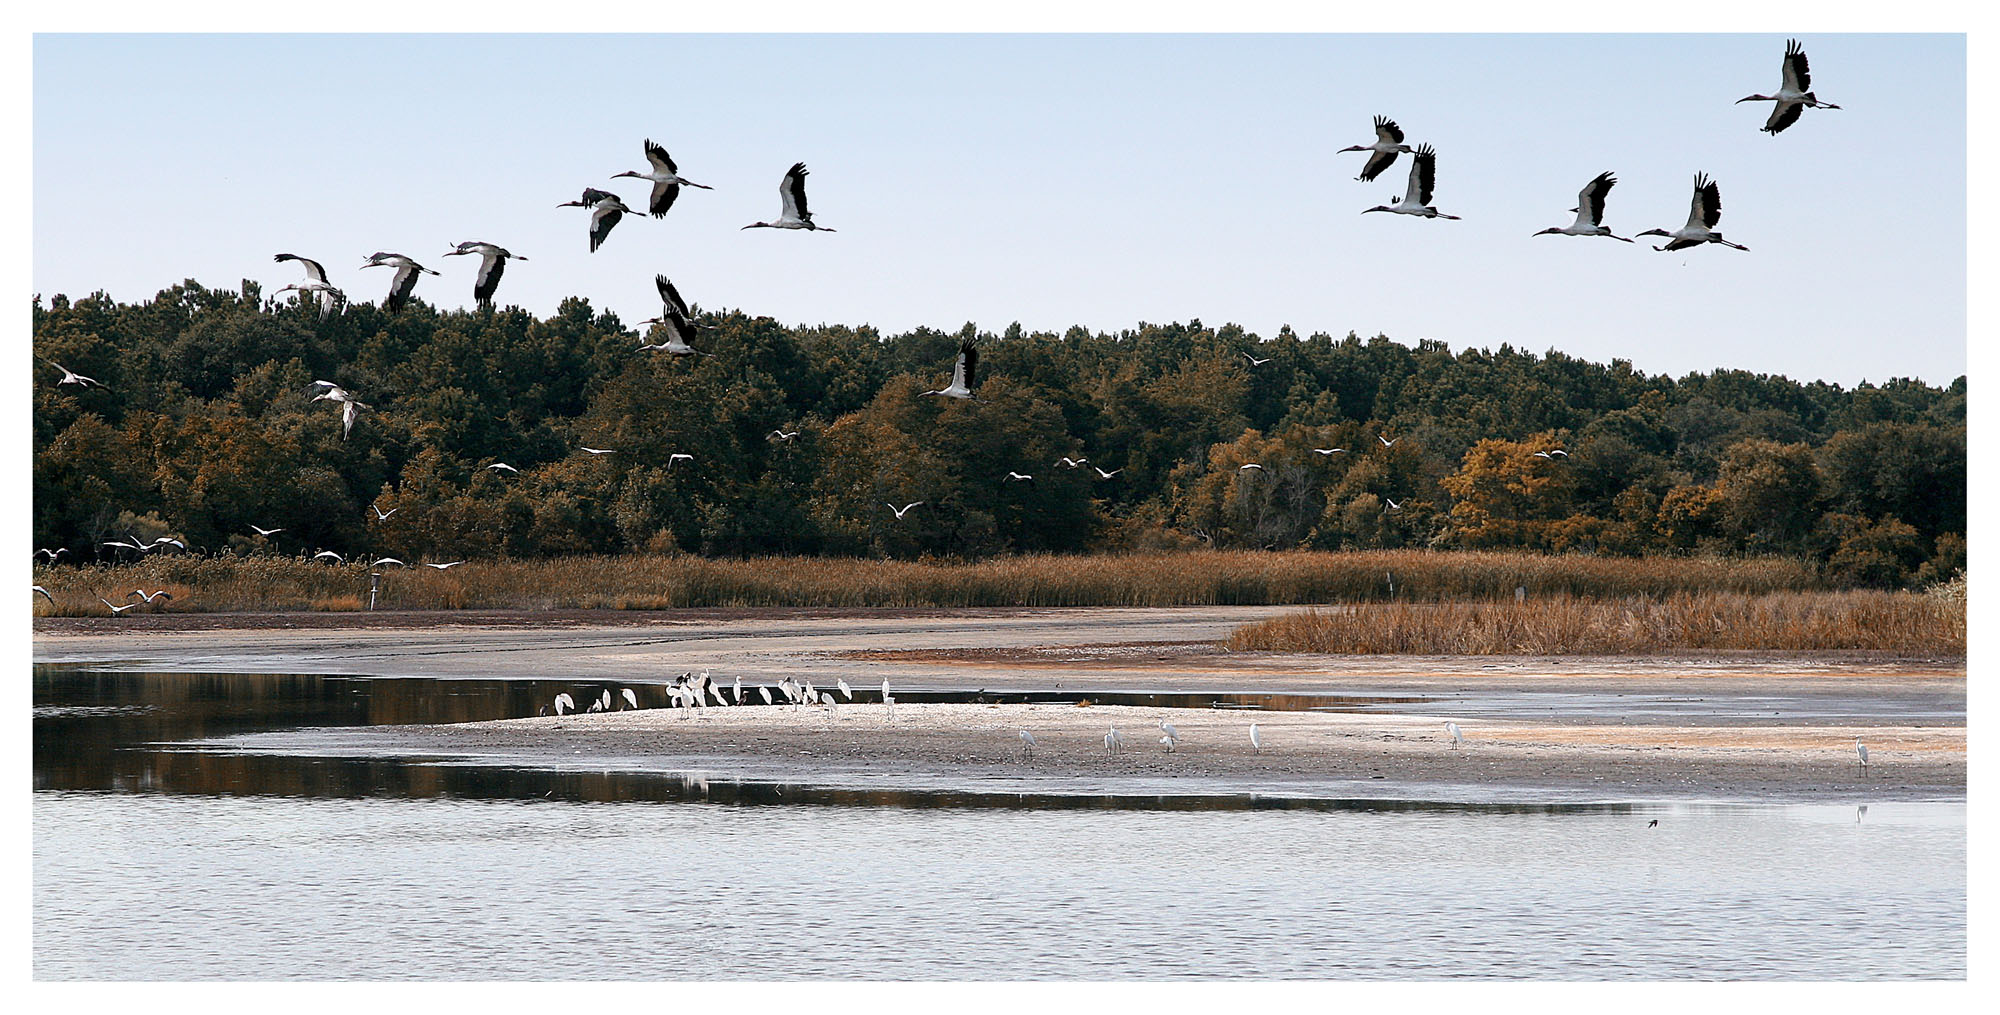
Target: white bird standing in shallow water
{"x": 1114, "y": 742}
{"x": 667, "y": 181}
{"x": 1457, "y": 737}
{"x": 1704, "y": 211}
{"x": 1794, "y": 94}
{"x": 1589, "y": 211}
{"x": 407, "y": 272}
{"x": 1256, "y": 742}
{"x": 1861, "y": 749}
{"x": 1388, "y": 142}
{"x": 492, "y": 263}
{"x": 1417, "y": 198}
{"x": 792, "y": 191}
{"x": 1173, "y": 736}
{"x": 888, "y": 702}
{"x": 1027, "y": 745}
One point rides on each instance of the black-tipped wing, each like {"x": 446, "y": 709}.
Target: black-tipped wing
{"x": 670, "y": 296}
{"x": 662, "y": 162}
{"x": 591, "y": 195}
{"x": 1591, "y": 199}
{"x": 1386, "y": 131}
{"x": 601, "y": 222}
{"x": 1423, "y": 176}
{"x": 1707, "y": 203}
{"x": 399, "y": 288}
{"x": 1377, "y": 162}
{"x": 1798, "y": 74}
{"x": 793, "y": 191}
{"x": 1783, "y": 115}
{"x": 491, "y": 266}
{"x": 663, "y": 198}
{"x": 966, "y": 374}
{"x": 313, "y": 269}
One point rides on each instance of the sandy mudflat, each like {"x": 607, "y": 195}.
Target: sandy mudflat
{"x": 1742, "y": 726}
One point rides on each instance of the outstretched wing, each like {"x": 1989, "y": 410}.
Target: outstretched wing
{"x": 793, "y": 190}
{"x": 1423, "y": 176}
{"x": 966, "y": 373}
{"x": 1783, "y": 115}
{"x": 490, "y": 268}
{"x": 662, "y": 162}
{"x": 601, "y": 222}
{"x": 1376, "y": 164}
{"x": 1386, "y": 131}
{"x": 313, "y": 269}
{"x": 1591, "y": 199}
{"x": 663, "y": 198}
{"x": 670, "y": 296}
{"x": 1798, "y": 75}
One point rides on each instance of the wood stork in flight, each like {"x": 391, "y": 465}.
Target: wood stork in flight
{"x": 316, "y": 284}
{"x": 350, "y": 407}
{"x": 1703, "y": 212}
{"x": 1388, "y": 141}
{"x": 1417, "y": 199}
{"x": 1589, "y": 211}
{"x": 795, "y": 215}
{"x": 605, "y": 210}
{"x": 405, "y": 280}
{"x": 963, "y": 376}
{"x": 72, "y": 377}
{"x": 675, "y": 318}
{"x": 492, "y": 262}
{"x": 666, "y": 178}
{"x": 1794, "y": 95}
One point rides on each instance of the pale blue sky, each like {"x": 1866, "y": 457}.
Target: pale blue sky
{"x": 1050, "y": 179}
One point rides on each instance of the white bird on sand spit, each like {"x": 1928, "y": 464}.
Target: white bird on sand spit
{"x": 1027, "y": 745}
{"x": 1861, "y": 749}
{"x": 1173, "y": 736}
{"x": 1457, "y": 738}
{"x": 1114, "y": 742}
{"x": 1256, "y": 742}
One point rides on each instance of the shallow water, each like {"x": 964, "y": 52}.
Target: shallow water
{"x": 152, "y": 862}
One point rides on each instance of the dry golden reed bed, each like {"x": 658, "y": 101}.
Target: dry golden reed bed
{"x": 1203, "y": 578}
{"x": 1903, "y": 622}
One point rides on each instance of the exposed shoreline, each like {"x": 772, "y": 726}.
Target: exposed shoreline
{"x": 1721, "y": 726}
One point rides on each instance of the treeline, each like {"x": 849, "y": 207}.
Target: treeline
{"x": 206, "y": 426}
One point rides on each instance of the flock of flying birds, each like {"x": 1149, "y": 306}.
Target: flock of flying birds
{"x": 607, "y": 209}
{"x": 1793, "y": 97}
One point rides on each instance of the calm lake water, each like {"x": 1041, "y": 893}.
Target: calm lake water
{"x": 157, "y": 862}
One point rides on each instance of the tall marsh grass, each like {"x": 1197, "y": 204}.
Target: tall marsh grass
{"x": 1903, "y": 622}
{"x": 224, "y": 584}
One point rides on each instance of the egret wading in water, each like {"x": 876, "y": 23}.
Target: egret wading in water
{"x": 1114, "y": 742}
{"x": 1861, "y": 750}
{"x": 888, "y": 702}
{"x": 1027, "y": 745}
{"x": 1172, "y": 738}
{"x": 792, "y": 191}
{"x": 1256, "y": 742}
{"x": 1417, "y": 198}
{"x": 667, "y": 181}
{"x": 1794, "y": 94}
{"x": 1457, "y": 737}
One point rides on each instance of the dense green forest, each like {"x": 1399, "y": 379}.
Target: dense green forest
{"x": 205, "y": 426}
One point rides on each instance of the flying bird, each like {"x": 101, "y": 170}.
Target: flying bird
{"x": 492, "y": 262}
{"x": 594, "y": 451}
{"x": 605, "y": 210}
{"x": 905, "y": 509}
{"x": 675, "y": 317}
{"x": 116, "y": 610}
{"x": 964, "y": 375}
{"x": 1074, "y": 463}
{"x": 337, "y": 558}
{"x": 315, "y": 284}
{"x": 44, "y": 593}
{"x": 381, "y": 515}
{"x": 1704, "y": 211}
{"x": 59, "y": 551}
{"x": 407, "y": 272}
{"x": 1328, "y": 451}
{"x": 1247, "y": 466}
{"x": 1393, "y": 506}
{"x": 1101, "y": 474}
{"x": 782, "y": 435}
{"x": 667, "y": 181}
{"x": 260, "y": 530}
{"x": 1794, "y": 95}
{"x": 149, "y": 597}
{"x": 678, "y": 456}
{"x": 443, "y": 567}
{"x": 795, "y": 215}
{"x": 1589, "y": 211}
{"x": 71, "y": 377}
{"x": 1015, "y": 477}
{"x": 1254, "y": 361}
{"x": 1417, "y": 199}
{"x": 1387, "y": 442}
{"x": 1388, "y": 142}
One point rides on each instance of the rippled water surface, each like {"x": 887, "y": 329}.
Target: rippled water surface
{"x": 157, "y": 863}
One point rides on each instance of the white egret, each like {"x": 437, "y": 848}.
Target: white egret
{"x": 1457, "y": 736}
{"x": 631, "y": 699}
{"x": 1114, "y": 742}
{"x": 264, "y": 531}
{"x": 381, "y": 515}
{"x": 564, "y": 703}
{"x": 905, "y": 509}
{"x": 1256, "y": 742}
{"x": 1861, "y": 749}
{"x": 1027, "y": 745}
{"x": 44, "y": 593}
{"x": 1101, "y": 474}
{"x": 446, "y": 567}
{"x": 116, "y": 610}
{"x": 844, "y": 689}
